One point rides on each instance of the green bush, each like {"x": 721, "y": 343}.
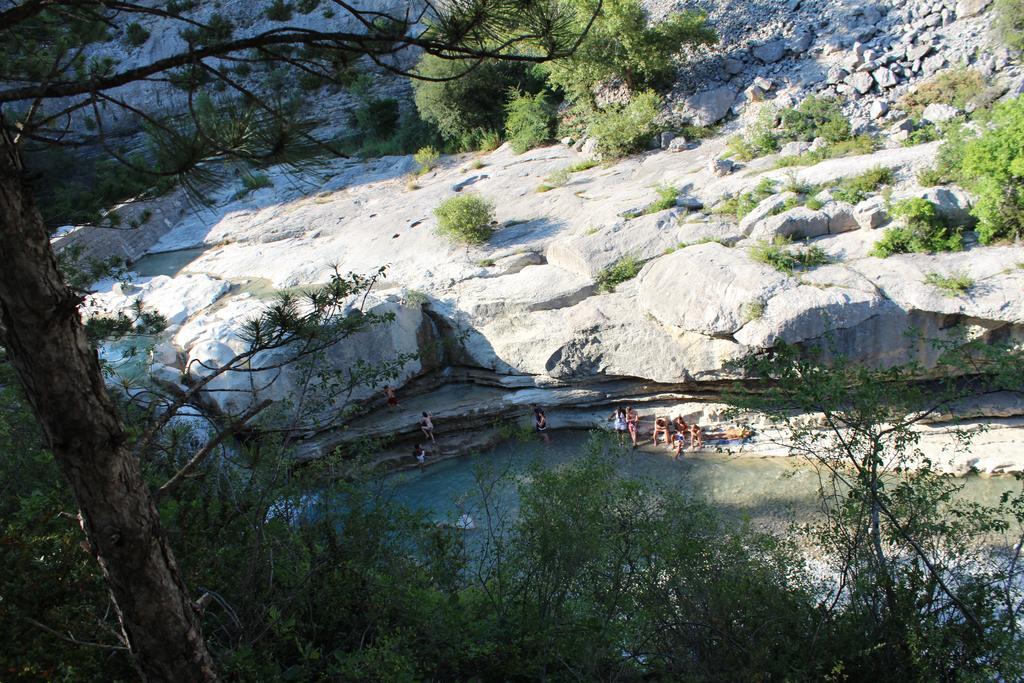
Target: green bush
{"x": 667, "y": 196}
{"x": 556, "y": 179}
{"x": 427, "y": 158}
{"x": 279, "y": 10}
{"x": 623, "y": 129}
{"x": 466, "y": 218}
{"x": 466, "y": 107}
{"x": 783, "y": 257}
{"x": 923, "y": 231}
{"x": 377, "y": 117}
{"x": 813, "y": 118}
{"x": 529, "y": 122}
{"x": 624, "y": 269}
{"x": 1010, "y": 22}
{"x": 856, "y": 188}
{"x": 744, "y": 203}
{"x": 992, "y": 166}
{"x": 860, "y": 144}
{"x": 950, "y": 285}
{"x": 135, "y": 35}
{"x": 621, "y": 44}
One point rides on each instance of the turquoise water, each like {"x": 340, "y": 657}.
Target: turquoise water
{"x": 769, "y": 491}
{"x": 168, "y": 263}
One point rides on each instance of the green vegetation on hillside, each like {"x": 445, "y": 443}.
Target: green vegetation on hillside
{"x": 465, "y": 218}
{"x": 923, "y": 230}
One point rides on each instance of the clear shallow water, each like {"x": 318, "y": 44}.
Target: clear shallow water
{"x": 771, "y": 491}
{"x": 168, "y": 263}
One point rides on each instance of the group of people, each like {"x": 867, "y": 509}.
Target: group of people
{"x": 676, "y": 432}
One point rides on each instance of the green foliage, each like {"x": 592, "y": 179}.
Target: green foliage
{"x": 916, "y": 557}
{"x": 923, "y": 231}
{"x": 377, "y": 117}
{"x": 1010, "y": 23}
{"x": 622, "y": 45}
{"x": 794, "y": 184}
{"x": 992, "y": 166}
{"x": 529, "y": 122}
{"x": 923, "y": 134}
{"x": 667, "y": 196}
{"x": 783, "y": 257}
{"x": 855, "y": 189}
{"x": 466, "y": 218}
{"x": 426, "y": 158}
{"x": 217, "y": 29}
{"x": 279, "y": 10}
{"x": 814, "y": 204}
{"x": 815, "y": 117}
{"x": 931, "y": 176}
{"x": 758, "y": 140}
{"x": 624, "y": 129}
{"x": 556, "y": 179}
{"x": 753, "y": 310}
{"x": 626, "y": 268}
{"x": 860, "y": 144}
{"x": 956, "y": 87}
{"x": 465, "y": 108}
{"x": 584, "y": 165}
{"x": 742, "y": 204}
{"x": 950, "y": 285}
{"x": 135, "y": 35}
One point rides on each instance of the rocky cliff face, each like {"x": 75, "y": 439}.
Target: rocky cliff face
{"x": 522, "y": 320}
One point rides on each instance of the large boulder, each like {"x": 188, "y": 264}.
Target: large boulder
{"x": 799, "y": 223}
{"x": 970, "y": 8}
{"x": 706, "y": 288}
{"x": 871, "y": 213}
{"x": 767, "y": 207}
{"x": 710, "y": 106}
{"x": 936, "y": 112}
{"x": 769, "y": 52}
{"x": 841, "y": 217}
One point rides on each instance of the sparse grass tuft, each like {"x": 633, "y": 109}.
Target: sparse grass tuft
{"x": 783, "y": 257}
{"x": 624, "y": 269}
{"x": 856, "y": 188}
{"x": 584, "y": 165}
{"x": 950, "y": 285}
{"x": 427, "y": 158}
{"x": 752, "y": 310}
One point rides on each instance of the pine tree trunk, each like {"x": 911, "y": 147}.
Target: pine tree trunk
{"x": 47, "y": 346}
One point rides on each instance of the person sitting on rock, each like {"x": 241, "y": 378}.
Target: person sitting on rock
{"x": 696, "y": 436}
{"x": 679, "y": 426}
{"x": 427, "y": 426}
{"x": 633, "y": 424}
{"x": 392, "y": 398}
{"x": 679, "y": 438}
{"x": 661, "y": 426}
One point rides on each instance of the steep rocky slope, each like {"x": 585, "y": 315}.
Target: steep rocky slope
{"x": 522, "y": 320}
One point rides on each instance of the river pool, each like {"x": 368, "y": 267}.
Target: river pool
{"x": 772, "y": 491}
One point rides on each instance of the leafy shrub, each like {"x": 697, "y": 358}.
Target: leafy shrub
{"x": 856, "y": 188}
{"x": 279, "y": 10}
{"x": 626, "y": 268}
{"x": 923, "y": 134}
{"x": 992, "y": 167}
{"x": 466, "y": 218}
{"x": 621, "y": 44}
{"x": 956, "y": 87}
{"x": 529, "y": 122}
{"x": 473, "y": 102}
{"x": 814, "y": 204}
{"x": 135, "y": 35}
{"x": 813, "y": 118}
{"x": 1010, "y": 22}
{"x": 950, "y": 285}
{"x": 758, "y": 140}
{"x": 377, "y": 117}
{"x": 752, "y": 310}
{"x": 923, "y": 231}
{"x": 780, "y": 255}
{"x": 859, "y": 144}
{"x": 622, "y": 129}
{"x": 426, "y": 157}
{"x": 744, "y": 203}
{"x": 794, "y": 184}
{"x": 667, "y": 196}
{"x": 930, "y": 176}
{"x": 487, "y": 141}
{"x": 217, "y": 29}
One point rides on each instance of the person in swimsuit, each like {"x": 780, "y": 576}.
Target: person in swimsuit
{"x": 633, "y": 424}
{"x": 427, "y": 427}
{"x": 540, "y": 422}
{"x": 620, "y": 424}
{"x": 661, "y": 427}
{"x": 696, "y": 436}
{"x": 680, "y": 441}
{"x": 390, "y": 393}
{"x": 679, "y": 426}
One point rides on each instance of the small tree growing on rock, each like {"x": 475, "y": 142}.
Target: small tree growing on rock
{"x": 466, "y": 218}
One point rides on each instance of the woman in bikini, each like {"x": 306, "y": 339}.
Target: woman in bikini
{"x": 633, "y": 424}
{"x": 620, "y": 424}
{"x": 679, "y": 426}
{"x": 680, "y": 441}
{"x": 661, "y": 427}
{"x": 540, "y": 422}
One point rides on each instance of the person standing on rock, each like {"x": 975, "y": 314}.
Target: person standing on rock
{"x": 392, "y": 398}
{"x": 427, "y": 426}
{"x": 633, "y": 425}
{"x": 420, "y": 454}
{"x": 540, "y": 422}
